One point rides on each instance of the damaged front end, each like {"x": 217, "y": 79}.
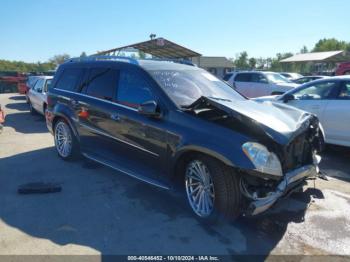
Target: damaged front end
{"x": 283, "y": 150}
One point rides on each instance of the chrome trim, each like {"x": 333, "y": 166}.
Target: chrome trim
{"x": 95, "y": 130}
{"x": 98, "y": 99}
{"x": 260, "y": 205}
{"x": 125, "y": 172}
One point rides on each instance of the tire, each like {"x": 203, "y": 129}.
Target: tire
{"x": 31, "y": 108}
{"x": 66, "y": 143}
{"x": 223, "y": 185}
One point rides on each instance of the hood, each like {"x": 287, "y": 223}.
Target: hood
{"x": 266, "y": 98}
{"x": 280, "y": 122}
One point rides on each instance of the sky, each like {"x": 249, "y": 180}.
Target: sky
{"x": 35, "y": 30}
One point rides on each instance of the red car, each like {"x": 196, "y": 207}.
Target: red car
{"x": 343, "y": 69}
{"x": 2, "y": 118}
{"x": 15, "y": 78}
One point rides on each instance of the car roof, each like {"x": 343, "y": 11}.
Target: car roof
{"x": 148, "y": 64}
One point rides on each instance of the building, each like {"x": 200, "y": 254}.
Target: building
{"x": 319, "y": 62}
{"x": 217, "y": 65}
{"x": 165, "y": 49}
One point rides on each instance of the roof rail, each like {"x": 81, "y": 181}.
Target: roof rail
{"x": 103, "y": 58}
{"x": 126, "y": 59}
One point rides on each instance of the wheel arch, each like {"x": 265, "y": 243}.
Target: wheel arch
{"x": 181, "y": 158}
{"x": 67, "y": 120}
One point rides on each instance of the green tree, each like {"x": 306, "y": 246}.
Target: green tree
{"x": 304, "y": 50}
{"x": 252, "y": 63}
{"x": 59, "y": 59}
{"x": 241, "y": 61}
{"x": 83, "y": 54}
{"x": 330, "y": 44}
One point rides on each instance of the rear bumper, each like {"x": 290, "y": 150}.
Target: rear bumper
{"x": 291, "y": 180}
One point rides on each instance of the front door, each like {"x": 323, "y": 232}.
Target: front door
{"x": 111, "y": 126}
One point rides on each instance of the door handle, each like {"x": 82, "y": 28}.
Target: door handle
{"x": 115, "y": 117}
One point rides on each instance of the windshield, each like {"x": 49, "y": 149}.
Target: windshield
{"x": 185, "y": 86}
{"x": 276, "y": 78}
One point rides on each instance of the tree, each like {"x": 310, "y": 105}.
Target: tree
{"x": 83, "y": 54}
{"x": 241, "y": 61}
{"x": 59, "y": 59}
{"x": 304, "y": 50}
{"x": 141, "y": 54}
{"x": 252, "y": 63}
{"x": 330, "y": 44}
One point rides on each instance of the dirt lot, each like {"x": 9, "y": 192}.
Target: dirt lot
{"x": 100, "y": 211}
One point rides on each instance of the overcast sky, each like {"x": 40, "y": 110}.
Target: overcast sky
{"x": 35, "y": 30}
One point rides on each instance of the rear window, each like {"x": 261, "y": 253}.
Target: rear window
{"x": 69, "y": 79}
{"x": 245, "y": 77}
{"x": 102, "y": 83}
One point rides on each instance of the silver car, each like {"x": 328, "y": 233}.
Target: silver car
{"x": 37, "y": 95}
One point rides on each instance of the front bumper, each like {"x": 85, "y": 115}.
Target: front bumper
{"x": 290, "y": 181}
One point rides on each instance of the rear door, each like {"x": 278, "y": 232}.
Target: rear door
{"x": 336, "y": 120}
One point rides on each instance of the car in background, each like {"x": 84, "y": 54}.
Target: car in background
{"x": 327, "y": 98}
{"x": 258, "y": 83}
{"x": 171, "y": 125}
{"x": 12, "y": 81}
{"x": 343, "y": 69}
{"x": 306, "y": 79}
{"x": 31, "y": 81}
{"x": 37, "y": 95}
{"x": 291, "y": 76}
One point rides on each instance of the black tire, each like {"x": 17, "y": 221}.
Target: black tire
{"x": 227, "y": 201}
{"x": 31, "y": 109}
{"x": 74, "y": 152}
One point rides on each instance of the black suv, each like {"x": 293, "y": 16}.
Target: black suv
{"x": 165, "y": 122}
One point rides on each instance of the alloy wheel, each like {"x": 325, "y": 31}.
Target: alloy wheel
{"x": 199, "y": 188}
{"x": 63, "y": 139}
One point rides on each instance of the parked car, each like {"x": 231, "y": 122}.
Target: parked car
{"x": 13, "y": 81}
{"x": 31, "y": 81}
{"x": 165, "y": 122}
{"x": 343, "y": 69}
{"x": 291, "y": 76}
{"x": 327, "y": 98}
{"x": 37, "y": 95}
{"x": 306, "y": 79}
{"x": 255, "y": 83}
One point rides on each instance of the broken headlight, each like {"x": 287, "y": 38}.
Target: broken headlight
{"x": 263, "y": 160}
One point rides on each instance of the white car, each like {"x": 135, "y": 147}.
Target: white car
{"x": 36, "y": 95}
{"x": 291, "y": 76}
{"x": 327, "y": 98}
{"x": 256, "y": 83}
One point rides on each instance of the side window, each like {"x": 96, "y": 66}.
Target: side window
{"x": 38, "y": 85}
{"x": 102, "y": 83}
{"x": 133, "y": 89}
{"x": 258, "y": 78}
{"x": 243, "y": 77}
{"x": 47, "y": 85}
{"x": 345, "y": 91}
{"x": 321, "y": 90}
{"x": 69, "y": 79}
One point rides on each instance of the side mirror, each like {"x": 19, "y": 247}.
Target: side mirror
{"x": 149, "y": 108}
{"x": 288, "y": 97}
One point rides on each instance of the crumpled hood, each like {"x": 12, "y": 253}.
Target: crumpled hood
{"x": 279, "y": 121}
